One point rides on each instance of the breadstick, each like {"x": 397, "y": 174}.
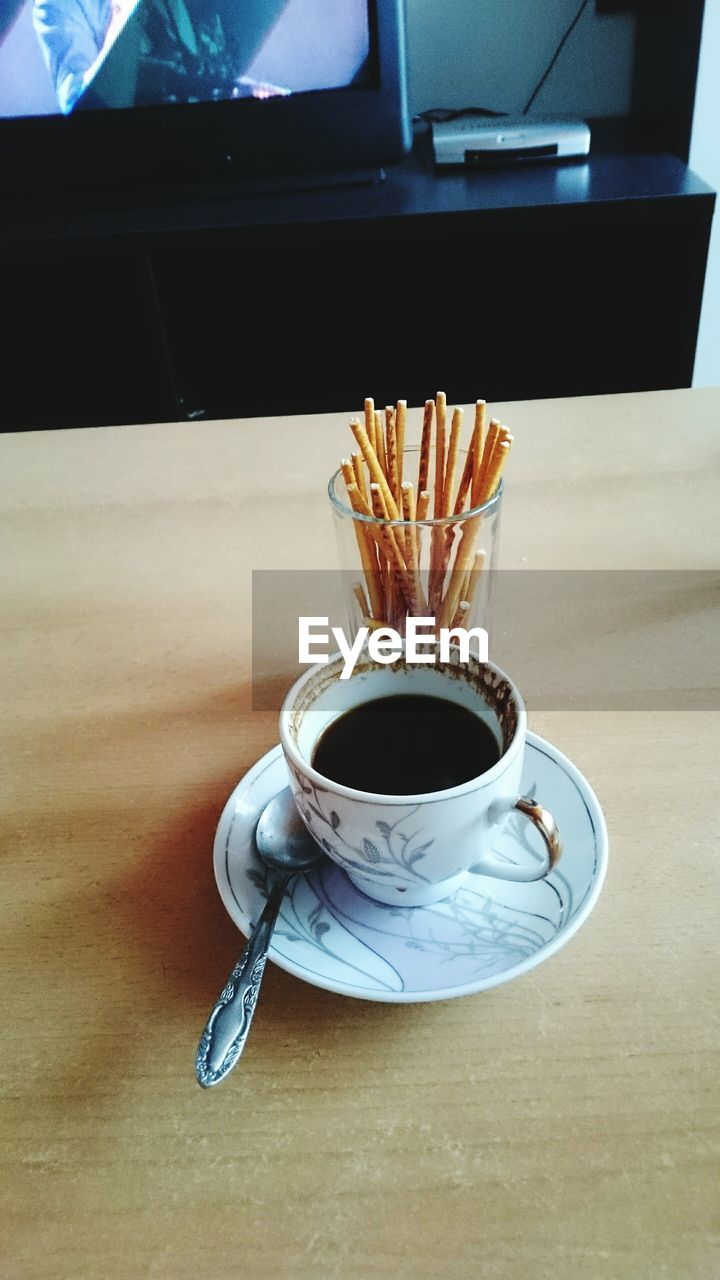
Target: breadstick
{"x": 491, "y": 479}
{"x": 449, "y": 480}
{"x": 361, "y": 598}
{"x": 370, "y": 420}
{"x": 470, "y": 584}
{"x": 376, "y": 472}
{"x": 400, "y": 420}
{"x": 421, "y": 510}
{"x": 391, "y": 455}
{"x": 407, "y": 494}
{"x": 403, "y": 580}
{"x": 473, "y": 575}
{"x": 391, "y": 598}
{"x": 478, "y": 442}
{"x": 387, "y": 534}
{"x": 423, "y": 502}
{"x": 466, "y": 551}
{"x": 440, "y": 408}
{"x": 480, "y": 473}
{"x": 380, "y": 442}
{"x": 368, "y": 558}
{"x": 461, "y": 615}
{"x": 465, "y": 479}
{"x": 411, "y": 541}
{"x": 490, "y": 476}
{"x": 424, "y": 467}
{"x": 390, "y": 551}
{"x": 437, "y": 537}
{"x": 363, "y": 508}
{"x": 357, "y": 461}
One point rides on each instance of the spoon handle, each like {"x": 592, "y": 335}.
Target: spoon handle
{"x": 223, "y": 1039}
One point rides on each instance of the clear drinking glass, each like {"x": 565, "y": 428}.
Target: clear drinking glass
{"x": 441, "y": 568}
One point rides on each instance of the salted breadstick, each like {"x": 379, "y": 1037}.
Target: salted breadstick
{"x": 357, "y": 461}
{"x": 400, "y": 420}
{"x": 407, "y": 494}
{"x": 361, "y": 598}
{"x": 469, "y": 585}
{"x": 375, "y": 624}
{"x": 411, "y": 540}
{"x": 391, "y": 456}
{"x": 451, "y": 531}
{"x": 437, "y": 537}
{"x": 440, "y": 410}
{"x": 449, "y": 480}
{"x": 391, "y": 597}
{"x": 377, "y": 474}
{"x": 387, "y": 534}
{"x": 403, "y": 580}
{"x": 370, "y": 421}
{"x": 380, "y": 442}
{"x": 363, "y": 508}
{"x": 458, "y": 576}
{"x": 423, "y": 502}
{"x": 425, "y": 444}
{"x": 368, "y": 557}
{"x": 465, "y": 479}
{"x": 473, "y": 459}
{"x": 478, "y": 442}
{"x": 491, "y": 477}
{"x": 466, "y": 551}
{"x": 461, "y": 615}
{"x": 473, "y": 575}
{"x": 479, "y": 477}
{"x": 421, "y": 510}
{"x": 390, "y": 551}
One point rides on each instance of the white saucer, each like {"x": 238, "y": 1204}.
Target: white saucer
{"x": 333, "y": 936}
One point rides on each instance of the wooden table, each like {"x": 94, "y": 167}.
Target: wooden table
{"x": 561, "y": 1126}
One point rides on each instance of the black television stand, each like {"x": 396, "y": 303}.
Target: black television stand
{"x": 508, "y": 283}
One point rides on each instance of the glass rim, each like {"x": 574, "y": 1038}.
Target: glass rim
{"x": 436, "y": 521}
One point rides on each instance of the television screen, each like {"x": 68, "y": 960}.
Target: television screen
{"x": 154, "y": 99}
{"x": 71, "y": 56}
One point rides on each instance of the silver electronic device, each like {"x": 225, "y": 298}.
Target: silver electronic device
{"x": 471, "y": 142}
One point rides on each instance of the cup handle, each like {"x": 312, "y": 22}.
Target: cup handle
{"x": 546, "y": 825}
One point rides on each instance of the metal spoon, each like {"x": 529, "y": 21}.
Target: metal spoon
{"x": 287, "y": 848}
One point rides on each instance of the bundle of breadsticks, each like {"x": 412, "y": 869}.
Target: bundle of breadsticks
{"x": 400, "y": 578}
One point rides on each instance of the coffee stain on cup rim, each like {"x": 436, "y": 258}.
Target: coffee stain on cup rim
{"x": 488, "y": 681}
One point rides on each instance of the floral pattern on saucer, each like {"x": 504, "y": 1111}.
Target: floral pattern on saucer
{"x": 332, "y": 935}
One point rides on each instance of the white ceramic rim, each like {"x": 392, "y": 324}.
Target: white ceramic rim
{"x": 423, "y": 797}
{"x": 238, "y": 915}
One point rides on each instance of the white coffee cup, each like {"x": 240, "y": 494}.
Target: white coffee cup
{"x": 412, "y": 850}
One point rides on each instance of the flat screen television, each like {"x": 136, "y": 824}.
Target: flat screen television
{"x": 122, "y": 95}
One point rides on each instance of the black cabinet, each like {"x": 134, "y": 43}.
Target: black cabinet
{"x": 79, "y": 340}
{"x": 510, "y": 284}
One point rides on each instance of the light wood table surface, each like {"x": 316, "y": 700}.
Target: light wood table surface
{"x": 562, "y": 1126}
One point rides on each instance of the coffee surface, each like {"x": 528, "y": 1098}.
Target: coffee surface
{"x": 405, "y": 745}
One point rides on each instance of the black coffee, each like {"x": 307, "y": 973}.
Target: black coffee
{"x": 405, "y": 745}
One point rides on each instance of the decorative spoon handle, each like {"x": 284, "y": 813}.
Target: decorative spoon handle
{"x": 223, "y": 1039}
